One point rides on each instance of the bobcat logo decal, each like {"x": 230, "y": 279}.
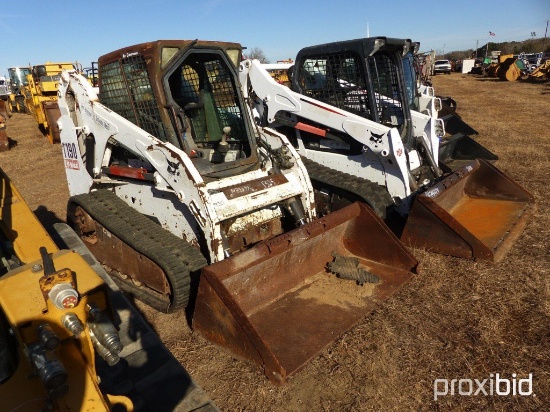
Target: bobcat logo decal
{"x": 376, "y": 138}
{"x": 173, "y": 168}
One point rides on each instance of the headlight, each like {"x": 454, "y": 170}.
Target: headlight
{"x": 437, "y": 103}
{"x": 439, "y": 128}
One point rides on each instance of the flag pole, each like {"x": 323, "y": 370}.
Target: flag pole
{"x": 487, "y": 46}
{"x": 546, "y": 31}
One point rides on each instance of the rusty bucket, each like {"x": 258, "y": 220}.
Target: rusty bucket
{"x": 5, "y": 109}
{"x": 476, "y": 212}
{"x": 4, "y": 140}
{"x": 278, "y": 305}
{"x": 51, "y": 109}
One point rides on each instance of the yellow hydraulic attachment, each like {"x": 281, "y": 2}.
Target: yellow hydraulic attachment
{"x": 64, "y": 324}
{"x": 53, "y": 322}
{"x": 58, "y": 319}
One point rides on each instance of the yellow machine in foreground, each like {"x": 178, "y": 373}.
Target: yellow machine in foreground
{"x": 41, "y": 96}
{"x": 52, "y": 322}
{"x": 63, "y": 330}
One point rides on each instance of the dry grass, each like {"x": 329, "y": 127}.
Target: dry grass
{"x": 456, "y": 319}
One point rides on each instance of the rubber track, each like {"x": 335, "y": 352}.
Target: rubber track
{"x": 175, "y": 256}
{"x": 376, "y": 196}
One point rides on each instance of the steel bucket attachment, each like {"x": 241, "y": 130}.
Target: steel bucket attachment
{"x": 453, "y": 122}
{"x": 277, "y": 305}
{"x": 52, "y": 112}
{"x": 4, "y": 140}
{"x": 4, "y": 109}
{"x": 477, "y": 212}
{"x": 459, "y": 150}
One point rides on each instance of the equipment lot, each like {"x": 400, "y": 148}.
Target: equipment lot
{"x": 457, "y": 319}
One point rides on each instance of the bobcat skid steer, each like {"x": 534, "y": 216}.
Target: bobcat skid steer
{"x": 456, "y": 147}
{"x": 474, "y": 212}
{"x": 171, "y": 178}
{"x": 379, "y": 84}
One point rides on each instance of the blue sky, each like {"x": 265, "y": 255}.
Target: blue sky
{"x": 39, "y": 31}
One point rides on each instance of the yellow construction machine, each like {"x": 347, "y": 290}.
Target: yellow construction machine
{"x": 68, "y": 341}
{"x": 18, "y": 80}
{"x": 541, "y": 72}
{"x": 280, "y": 71}
{"x": 52, "y": 321}
{"x": 506, "y": 68}
{"x": 40, "y": 95}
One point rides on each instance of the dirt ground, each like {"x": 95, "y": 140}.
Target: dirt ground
{"x": 457, "y": 319}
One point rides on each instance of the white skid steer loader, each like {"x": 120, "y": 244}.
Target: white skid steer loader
{"x": 456, "y": 148}
{"x": 392, "y": 165}
{"x": 188, "y": 203}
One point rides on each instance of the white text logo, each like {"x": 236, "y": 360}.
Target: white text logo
{"x": 494, "y": 385}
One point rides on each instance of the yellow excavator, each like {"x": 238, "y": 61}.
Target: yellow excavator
{"x": 68, "y": 340}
